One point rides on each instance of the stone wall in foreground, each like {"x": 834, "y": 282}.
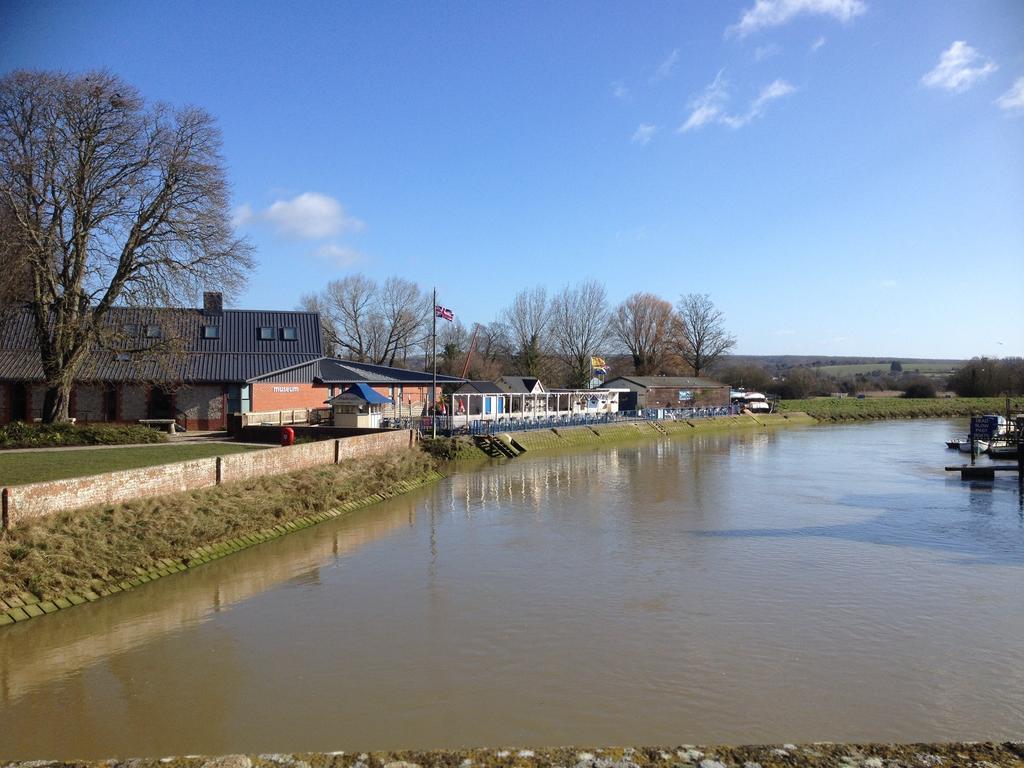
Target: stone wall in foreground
{"x": 32, "y": 500}
{"x": 951, "y": 755}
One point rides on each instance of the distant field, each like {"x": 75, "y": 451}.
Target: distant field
{"x": 868, "y": 368}
{"x": 17, "y": 467}
{"x": 862, "y": 363}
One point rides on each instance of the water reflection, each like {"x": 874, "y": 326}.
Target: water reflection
{"x": 62, "y": 645}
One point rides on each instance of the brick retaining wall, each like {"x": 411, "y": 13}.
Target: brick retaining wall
{"x": 33, "y": 500}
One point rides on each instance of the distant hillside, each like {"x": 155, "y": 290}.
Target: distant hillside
{"x": 845, "y": 366}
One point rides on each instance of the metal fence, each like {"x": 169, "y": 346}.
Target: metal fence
{"x": 512, "y": 424}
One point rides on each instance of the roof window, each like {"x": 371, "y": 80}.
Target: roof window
{"x": 266, "y": 333}
{"x": 211, "y": 331}
{"x": 288, "y": 333}
{"x": 152, "y": 331}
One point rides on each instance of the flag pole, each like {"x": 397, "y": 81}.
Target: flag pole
{"x": 433, "y": 388}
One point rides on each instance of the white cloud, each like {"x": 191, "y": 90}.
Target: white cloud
{"x": 620, "y": 91}
{"x": 710, "y": 106}
{"x": 768, "y": 94}
{"x": 309, "y": 216}
{"x": 774, "y": 13}
{"x": 818, "y": 44}
{"x": 959, "y": 67}
{"x": 665, "y": 68}
{"x": 1013, "y": 99}
{"x": 776, "y": 90}
{"x": 643, "y": 134}
{"x": 338, "y": 255}
{"x": 763, "y": 52}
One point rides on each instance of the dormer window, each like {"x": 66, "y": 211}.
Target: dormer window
{"x": 211, "y": 331}
{"x": 266, "y": 333}
{"x": 289, "y": 334}
{"x": 131, "y": 329}
{"x": 152, "y": 331}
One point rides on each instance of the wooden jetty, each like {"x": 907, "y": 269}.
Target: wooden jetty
{"x": 982, "y": 471}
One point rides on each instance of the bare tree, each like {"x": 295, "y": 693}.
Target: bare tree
{"x": 580, "y": 326}
{"x": 113, "y": 201}
{"x": 644, "y": 325}
{"x": 527, "y": 320}
{"x": 312, "y": 302}
{"x": 16, "y": 285}
{"x": 452, "y": 346}
{"x": 402, "y": 313}
{"x": 702, "y": 337}
{"x": 370, "y": 322}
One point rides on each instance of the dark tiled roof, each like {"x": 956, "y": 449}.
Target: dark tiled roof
{"x": 650, "y": 382}
{"x": 479, "y": 388}
{"x": 519, "y": 384}
{"x": 237, "y": 354}
{"x": 331, "y": 370}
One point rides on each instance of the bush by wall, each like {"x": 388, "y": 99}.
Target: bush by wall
{"x": 21, "y": 435}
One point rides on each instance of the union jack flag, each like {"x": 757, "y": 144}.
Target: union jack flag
{"x": 443, "y": 312}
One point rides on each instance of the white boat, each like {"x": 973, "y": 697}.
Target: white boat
{"x": 965, "y": 445}
{"x": 756, "y": 402}
{"x": 1002, "y": 450}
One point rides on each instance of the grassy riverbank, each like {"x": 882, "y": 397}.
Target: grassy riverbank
{"x": 852, "y": 409}
{"x": 603, "y": 435}
{"x": 84, "y": 550}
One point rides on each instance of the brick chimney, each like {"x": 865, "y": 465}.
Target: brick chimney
{"x": 213, "y": 303}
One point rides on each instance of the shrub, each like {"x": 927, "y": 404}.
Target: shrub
{"x": 919, "y": 387}
{"x": 18, "y": 434}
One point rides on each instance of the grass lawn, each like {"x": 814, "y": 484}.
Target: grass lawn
{"x": 34, "y": 466}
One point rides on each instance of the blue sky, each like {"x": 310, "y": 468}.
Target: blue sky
{"x": 842, "y": 176}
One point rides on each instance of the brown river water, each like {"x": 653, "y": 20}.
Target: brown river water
{"x": 827, "y": 583}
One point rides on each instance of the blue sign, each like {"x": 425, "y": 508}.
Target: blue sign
{"x": 685, "y": 395}
{"x": 984, "y": 427}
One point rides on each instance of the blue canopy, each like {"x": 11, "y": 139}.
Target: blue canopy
{"x": 364, "y": 392}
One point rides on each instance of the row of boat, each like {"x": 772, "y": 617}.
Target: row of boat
{"x": 1002, "y": 445}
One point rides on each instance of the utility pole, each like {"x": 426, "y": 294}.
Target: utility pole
{"x": 433, "y": 387}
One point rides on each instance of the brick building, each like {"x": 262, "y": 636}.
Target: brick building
{"x": 197, "y": 365}
{"x": 189, "y": 364}
{"x": 311, "y": 384}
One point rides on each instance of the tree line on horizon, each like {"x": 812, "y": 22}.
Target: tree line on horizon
{"x": 553, "y": 337}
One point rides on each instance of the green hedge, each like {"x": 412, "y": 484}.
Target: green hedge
{"x": 21, "y": 435}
